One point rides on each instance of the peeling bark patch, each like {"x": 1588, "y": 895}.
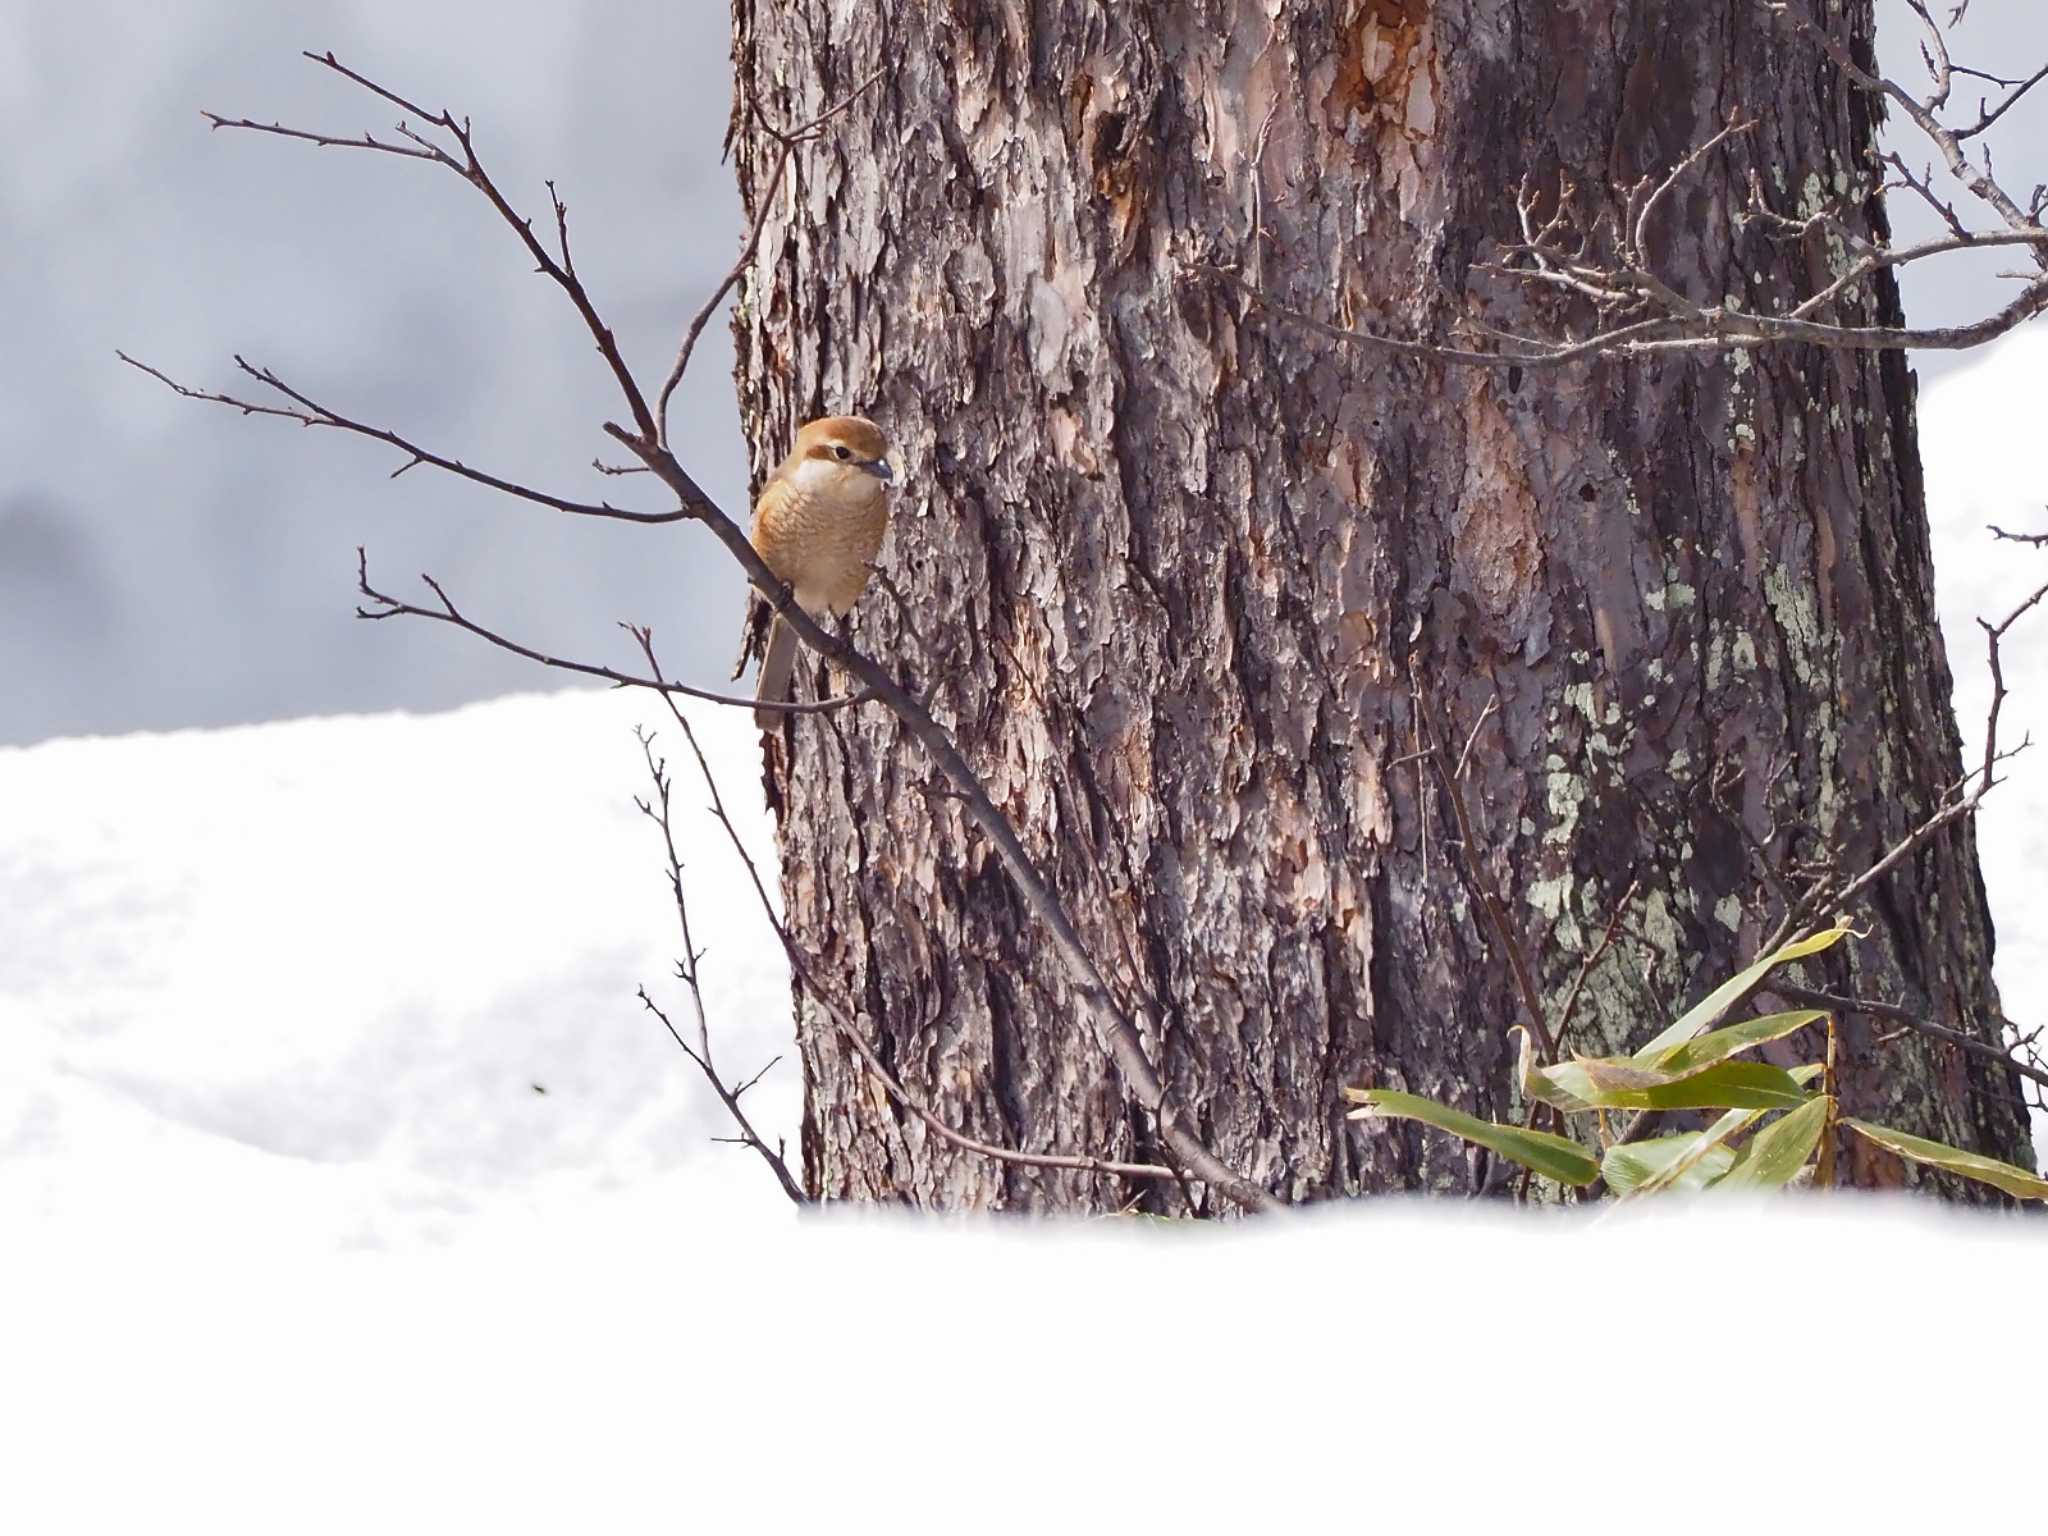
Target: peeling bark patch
{"x": 1115, "y": 148}
{"x": 1497, "y": 526}
{"x": 1381, "y": 58}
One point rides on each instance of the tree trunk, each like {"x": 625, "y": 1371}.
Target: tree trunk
{"x": 1191, "y": 587}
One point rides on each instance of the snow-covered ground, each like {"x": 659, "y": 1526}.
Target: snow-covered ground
{"x": 332, "y": 964}
{"x": 294, "y": 1239}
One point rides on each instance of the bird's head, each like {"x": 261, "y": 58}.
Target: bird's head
{"x": 843, "y": 450}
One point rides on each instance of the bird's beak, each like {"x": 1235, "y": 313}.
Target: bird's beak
{"x": 880, "y": 469}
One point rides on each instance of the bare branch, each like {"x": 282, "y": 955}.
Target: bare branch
{"x": 686, "y": 968}
{"x": 1934, "y": 53}
{"x": 849, "y": 1027}
{"x": 1963, "y": 800}
{"x": 1922, "y": 187}
{"x": 470, "y": 167}
{"x": 1808, "y": 997}
{"x": 414, "y": 151}
{"x": 1880, "y": 257}
{"x": 1993, "y": 635}
{"x": 1638, "y": 244}
{"x": 309, "y": 413}
{"x": 392, "y": 608}
{"x": 1990, "y": 115}
{"x": 1465, "y": 757}
{"x": 787, "y": 142}
{"x": 1980, "y": 182}
{"x": 1712, "y": 330}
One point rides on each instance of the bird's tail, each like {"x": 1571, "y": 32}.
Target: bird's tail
{"x": 777, "y": 662}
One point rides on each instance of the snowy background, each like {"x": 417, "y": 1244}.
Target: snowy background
{"x": 144, "y": 540}
{"x": 290, "y": 1235}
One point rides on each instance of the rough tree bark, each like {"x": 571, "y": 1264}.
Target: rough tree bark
{"x": 1177, "y": 577}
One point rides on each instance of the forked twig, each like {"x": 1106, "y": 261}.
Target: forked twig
{"x": 657, "y": 811}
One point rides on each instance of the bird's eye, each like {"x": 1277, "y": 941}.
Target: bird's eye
{"x": 839, "y": 449}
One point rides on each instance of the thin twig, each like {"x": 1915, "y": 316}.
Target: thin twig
{"x": 1562, "y": 1029}
{"x": 1809, "y": 997}
{"x": 657, "y": 811}
{"x": 448, "y": 613}
{"x": 1465, "y": 756}
{"x": 469, "y": 165}
{"x": 1495, "y": 911}
{"x": 1963, "y": 800}
{"x": 1716, "y": 329}
{"x": 787, "y": 142}
{"x": 310, "y": 413}
{"x": 844, "y": 1021}
{"x": 1980, "y": 182}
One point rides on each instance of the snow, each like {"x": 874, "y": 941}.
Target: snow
{"x": 635, "y": 1366}
{"x": 331, "y": 959}
{"x": 293, "y": 1242}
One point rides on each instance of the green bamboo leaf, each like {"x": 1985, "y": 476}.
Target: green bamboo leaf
{"x": 1552, "y": 1156}
{"x": 1708, "y": 1142}
{"x": 1935, "y": 1154}
{"x": 1725, "y": 1085}
{"x": 1725, "y": 996}
{"x": 1717, "y": 1134}
{"x": 1720, "y": 1044}
{"x": 1780, "y": 1149}
{"x": 1686, "y": 1161}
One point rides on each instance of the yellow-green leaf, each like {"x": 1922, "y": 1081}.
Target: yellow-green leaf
{"x": 1552, "y": 1156}
{"x": 1725, "y": 996}
{"x": 1725, "y": 1085}
{"x": 1685, "y": 1161}
{"x": 1720, "y": 1044}
{"x": 1780, "y": 1149}
{"x": 1728, "y": 1085}
{"x": 1935, "y": 1154}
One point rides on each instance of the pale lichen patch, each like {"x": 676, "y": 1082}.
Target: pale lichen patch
{"x": 1793, "y": 607}
{"x": 1728, "y": 912}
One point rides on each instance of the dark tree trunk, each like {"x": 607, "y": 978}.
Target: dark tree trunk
{"x": 1176, "y": 575}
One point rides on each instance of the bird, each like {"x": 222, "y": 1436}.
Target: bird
{"x": 818, "y": 524}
